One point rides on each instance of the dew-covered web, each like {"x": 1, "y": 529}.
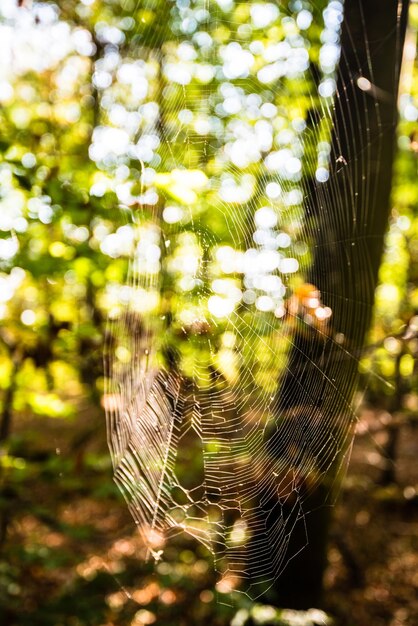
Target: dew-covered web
{"x": 232, "y": 348}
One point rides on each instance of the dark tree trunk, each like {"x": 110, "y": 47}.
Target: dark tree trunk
{"x": 352, "y": 212}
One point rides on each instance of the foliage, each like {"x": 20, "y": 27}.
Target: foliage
{"x": 270, "y": 616}
{"x": 79, "y": 158}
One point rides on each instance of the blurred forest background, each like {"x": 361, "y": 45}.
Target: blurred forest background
{"x": 72, "y": 97}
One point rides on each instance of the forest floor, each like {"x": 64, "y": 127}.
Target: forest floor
{"x": 74, "y": 559}
{"x": 372, "y": 577}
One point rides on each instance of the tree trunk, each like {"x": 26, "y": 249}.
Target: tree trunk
{"x": 352, "y": 210}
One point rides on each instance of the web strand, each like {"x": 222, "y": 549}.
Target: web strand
{"x": 235, "y": 335}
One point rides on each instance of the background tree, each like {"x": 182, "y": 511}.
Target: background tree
{"x": 351, "y": 212}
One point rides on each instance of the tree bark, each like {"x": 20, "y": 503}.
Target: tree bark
{"x": 352, "y": 210}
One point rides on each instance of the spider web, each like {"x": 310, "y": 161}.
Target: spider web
{"x": 231, "y": 352}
